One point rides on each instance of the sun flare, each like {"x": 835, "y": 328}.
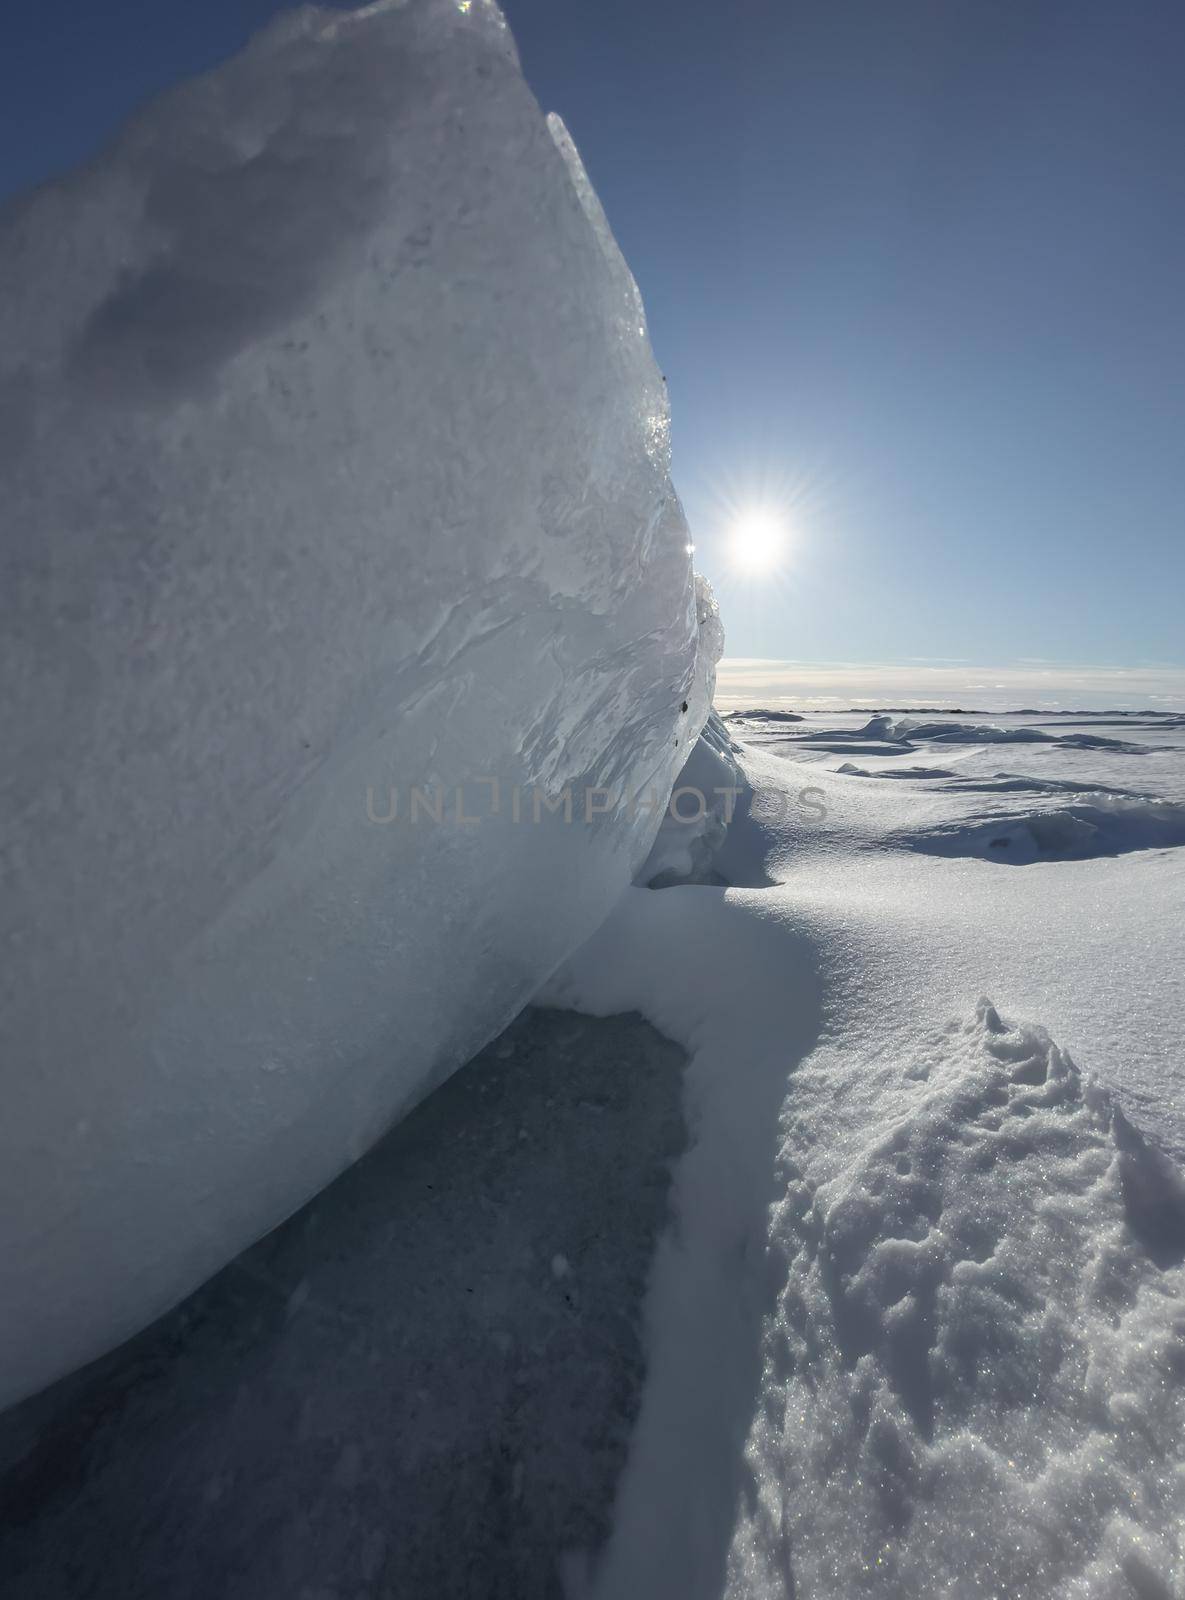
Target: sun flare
{"x": 757, "y": 541}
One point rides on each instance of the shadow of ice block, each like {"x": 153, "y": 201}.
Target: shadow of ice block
{"x": 422, "y": 1384}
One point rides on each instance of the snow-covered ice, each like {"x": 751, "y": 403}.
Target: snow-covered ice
{"x": 1093, "y": 824}
{"x": 335, "y": 463}
{"x": 972, "y": 1375}
{"x": 919, "y": 1325}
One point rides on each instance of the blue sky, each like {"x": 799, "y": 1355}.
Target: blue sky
{"x": 913, "y": 269}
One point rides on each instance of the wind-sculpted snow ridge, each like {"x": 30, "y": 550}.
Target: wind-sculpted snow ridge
{"x": 918, "y": 1327}
{"x": 907, "y": 731}
{"x": 1098, "y": 824}
{"x": 973, "y": 1376}
{"x": 997, "y": 783}
{"x": 335, "y": 466}
{"x": 1022, "y": 783}
{"x": 850, "y": 770}
{"x": 899, "y": 730}
{"x": 960, "y": 1307}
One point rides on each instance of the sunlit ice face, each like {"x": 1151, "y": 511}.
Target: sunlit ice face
{"x": 757, "y": 541}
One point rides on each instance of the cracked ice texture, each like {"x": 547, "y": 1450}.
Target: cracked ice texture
{"x": 334, "y": 457}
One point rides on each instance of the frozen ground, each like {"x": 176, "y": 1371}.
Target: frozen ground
{"x": 921, "y": 1329}
{"x": 917, "y": 1327}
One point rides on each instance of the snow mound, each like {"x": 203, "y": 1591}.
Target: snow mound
{"x": 901, "y": 730}
{"x": 1101, "y": 824}
{"x": 1019, "y": 783}
{"x": 850, "y": 770}
{"x": 973, "y": 1374}
{"x": 996, "y": 783}
{"x": 334, "y": 460}
{"x": 1096, "y": 741}
{"x": 841, "y": 743}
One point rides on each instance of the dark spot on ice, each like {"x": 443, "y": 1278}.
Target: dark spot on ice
{"x": 684, "y": 706}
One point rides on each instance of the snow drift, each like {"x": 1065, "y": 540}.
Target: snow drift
{"x": 973, "y": 1368}
{"x": 908, "y": 731}
{"x": 335, "y": 464}
{"x": 1100, "y": 824}
{"x": 918, "y": 1326}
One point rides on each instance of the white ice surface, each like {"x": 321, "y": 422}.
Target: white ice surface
{"x": 334, "y": 461}
{"x": 918, "y": 1328}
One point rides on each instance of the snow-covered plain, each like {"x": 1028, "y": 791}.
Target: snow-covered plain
{"x": 336, "y": 462}
{"x": 919, "y": 1326}
{"x": 916, "y": 1327}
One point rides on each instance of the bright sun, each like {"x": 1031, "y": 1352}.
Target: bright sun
{"x": 757, "y": 541}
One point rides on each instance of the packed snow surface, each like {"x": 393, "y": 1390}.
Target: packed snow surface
{"x": 334, "y": 462}
{"x": 918, "y": 1329}
{"x": 901, "y": 730}
{"x": 1097, "y": 824}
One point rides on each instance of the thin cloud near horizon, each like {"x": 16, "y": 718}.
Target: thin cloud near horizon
{"x": 755, "y": 681}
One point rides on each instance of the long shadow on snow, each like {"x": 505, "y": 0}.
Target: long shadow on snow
{"x": 422, "y": 1384}
{"x": 733, "y": 976}
{"x": 720, "y": 968}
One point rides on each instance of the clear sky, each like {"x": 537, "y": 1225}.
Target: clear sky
{"x": 915, "y": 270}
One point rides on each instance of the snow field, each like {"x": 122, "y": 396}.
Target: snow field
{"x": 972, "y": 1378}
{"x": 919, "y": 1325}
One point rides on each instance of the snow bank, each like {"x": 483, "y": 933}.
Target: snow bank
{"x": 1023, "y": 783}
{"x": 945, "y": 1317}
{"x": 918, "y": 1326}
{"x": 850, "y": 770}
{"x": 900, "y": 729}
{"x": 1099, "y": 824}
{"x": 973, "y": 1370}
{"x": 903, "y": 730}
{"x": 726, "y": 974}
{"x": 335, "y": 464}
{"x": 995, "y": 783}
